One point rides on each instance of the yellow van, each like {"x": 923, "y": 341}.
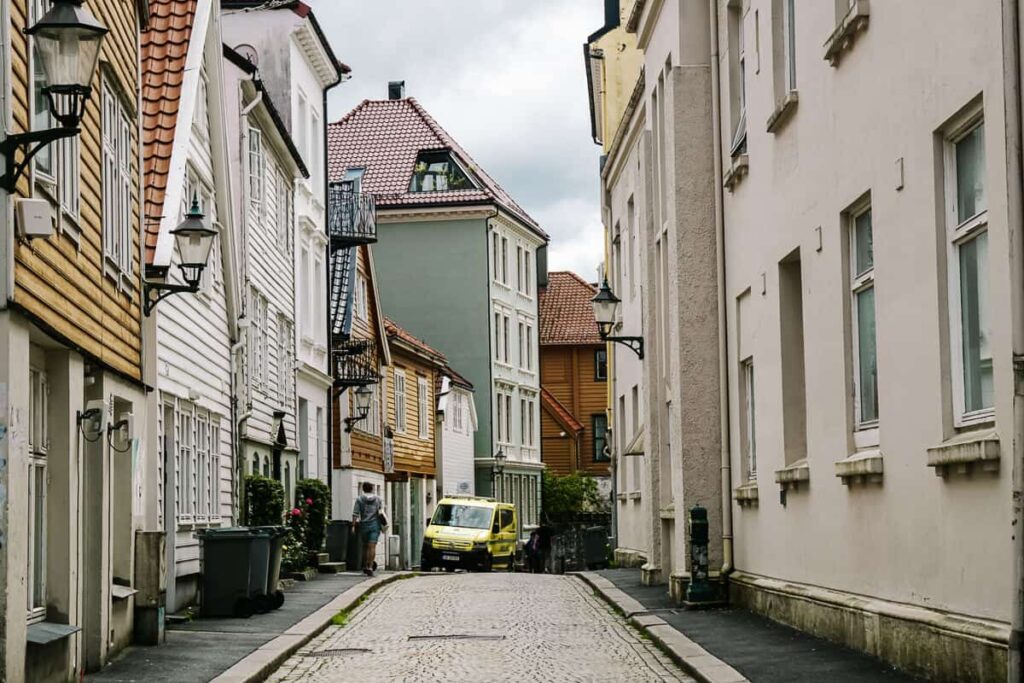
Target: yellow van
{"x": 471, "y": 533}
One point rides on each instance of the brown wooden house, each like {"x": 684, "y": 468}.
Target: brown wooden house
{"x": 573, "y": 377}
{"x": 72, "y": 389}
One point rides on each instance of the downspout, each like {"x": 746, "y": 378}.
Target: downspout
{"x": 329, "y": 411}
{"x": 1012, "y": 93}
{"x": 490, "y": 358}
{"x": 723, "y": 346}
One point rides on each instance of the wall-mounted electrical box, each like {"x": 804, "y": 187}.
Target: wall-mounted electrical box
{"x": 33, "y": 218}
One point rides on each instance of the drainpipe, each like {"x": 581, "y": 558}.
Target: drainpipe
{"x": 723, "y": 346}
{"x": 1012, "y": 93}
{"x": 236, "y": 429}
{"x": 329, "y": 405}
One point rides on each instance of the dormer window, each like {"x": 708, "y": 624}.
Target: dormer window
{"x": 437, "y": 172}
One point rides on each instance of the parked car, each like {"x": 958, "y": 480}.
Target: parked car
{"x": 469, "y": 532}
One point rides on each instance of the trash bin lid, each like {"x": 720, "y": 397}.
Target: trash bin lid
{"x": 225, "y": 532}
{"x": 269, "y": 531}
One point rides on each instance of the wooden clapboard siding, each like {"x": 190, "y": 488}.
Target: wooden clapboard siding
{"x": 58, "y": 281}
{"x": 557, "y": 451}
{"x": 412, "y": 454}
{"x": 270, "y": 270}
{"x": 568, "y": 373}
{"x": 367, "y": 449}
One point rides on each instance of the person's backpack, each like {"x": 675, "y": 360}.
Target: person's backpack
{"x": 383, "y": 518}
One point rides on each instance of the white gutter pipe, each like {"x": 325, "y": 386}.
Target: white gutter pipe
{"x": 723, "y": 346}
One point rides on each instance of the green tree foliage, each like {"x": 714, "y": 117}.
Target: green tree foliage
{"x": 564, "y": 497}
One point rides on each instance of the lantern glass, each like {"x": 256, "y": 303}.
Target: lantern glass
{"x": 363, "y": 397}
{"x": 68, "y": 39}
{"x": 194, "y": 240}
{"x": 605, "y": 305}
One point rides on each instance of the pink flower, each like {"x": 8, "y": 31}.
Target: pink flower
{"x": 296, "y": 512}
{"x": 309, "y": 501}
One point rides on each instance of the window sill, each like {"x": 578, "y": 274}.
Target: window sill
{"x": 45, "y": 632}
{"x": 667, "y": 512}
{"x": 793, "y": 475}
{"x": 621, "y": 497}
{"x": 966, "y": 451}
{"x": 746, "y": 495}
{"x": 634, "y": 496}
{"x": 861, "y": 467}
{"x": 842, "y": 38}
{"x": 783, "y": 112}
{"x": 737, "y": 171}
{"x": 119, "y": 592}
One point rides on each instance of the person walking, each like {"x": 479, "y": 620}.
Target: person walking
{"x": 367, "y": 522}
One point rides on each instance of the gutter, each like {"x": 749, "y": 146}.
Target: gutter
{"x": 1013, "y": 28}
{"x": 723, "y": 344}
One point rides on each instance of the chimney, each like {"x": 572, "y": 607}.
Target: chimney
{"x": 396, "y": 90}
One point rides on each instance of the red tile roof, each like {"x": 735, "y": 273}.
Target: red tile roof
{"x": 559, "y": 412}
{"x": 394, "y": 330}
{"x": 385, "y": 137}
{"x": 457, "y": 379}
{"x": 566, "y": 316}
{"x": 164, "y": 46}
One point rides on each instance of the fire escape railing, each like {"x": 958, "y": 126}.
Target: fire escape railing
{"x": 354, "y": 363}
{"x": 351, "y": 215}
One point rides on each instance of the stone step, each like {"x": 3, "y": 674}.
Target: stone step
{"x": 322, "y": 558}
{"x": 332, "y": 567}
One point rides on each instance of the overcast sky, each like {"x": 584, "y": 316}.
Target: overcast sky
{"x": 506, "y": 79}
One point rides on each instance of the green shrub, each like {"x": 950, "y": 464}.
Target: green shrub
{"x": 264, "y": 501}
{"x": 313, "y": 499}
{"x": 566, "y": 496}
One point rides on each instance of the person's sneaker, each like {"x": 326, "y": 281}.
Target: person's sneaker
{"x": 374, "y": 566}
{"x": 368, "y": 572}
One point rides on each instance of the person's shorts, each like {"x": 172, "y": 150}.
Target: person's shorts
{"x": 370, "y": 532}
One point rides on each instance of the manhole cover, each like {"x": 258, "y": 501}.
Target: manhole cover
{"x": 457, "y": 636}
{"x": 339, "y": 652}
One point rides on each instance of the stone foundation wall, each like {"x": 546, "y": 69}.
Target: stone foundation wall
{"x": 943, "y": 647}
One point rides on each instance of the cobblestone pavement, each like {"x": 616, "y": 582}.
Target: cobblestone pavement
{"x": 481, "y": 627}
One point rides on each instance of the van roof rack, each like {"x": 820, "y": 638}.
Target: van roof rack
{"x": 465, "y": 497}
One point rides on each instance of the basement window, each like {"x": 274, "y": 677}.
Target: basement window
{"x": 437, "y": 171}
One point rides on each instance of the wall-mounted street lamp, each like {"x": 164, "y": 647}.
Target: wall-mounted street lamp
{"x": 67, "y": 39}
{"x": 363, "y": 396}
{"x": 497, "y": 467}
{"x": 195, "y": 241}
{"x": 606, "y": 306}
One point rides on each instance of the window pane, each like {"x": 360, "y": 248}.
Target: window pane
{"x": 867, "y": 356}
{"x": 970, "y": 174}
{"x": 865, "y": 257}
{"x": 977, "y": 356}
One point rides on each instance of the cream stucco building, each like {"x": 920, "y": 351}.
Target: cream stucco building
{"x": 827, "y": 225}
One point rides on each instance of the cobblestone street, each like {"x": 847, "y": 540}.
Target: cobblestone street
{"x": 482, "y": 627}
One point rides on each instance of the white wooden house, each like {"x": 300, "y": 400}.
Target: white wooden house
{"x": 195, "y": 333}
{"x": 298, "y": 67}
{"x": 265, "y": 166}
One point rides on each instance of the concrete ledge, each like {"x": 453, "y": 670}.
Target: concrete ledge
{"x": 966, "y": 449}
{"x": 941, "y": 646}
{"x": 866, "y": 466}
{"x": 694, "y": 659}
{"x": 259, "y": 664}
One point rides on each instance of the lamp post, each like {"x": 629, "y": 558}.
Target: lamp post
{"x": 606, "y": 305}
{"x": 67, "y": 39}
{"x": 363, "y": 396}
{"x": 194, "y": 239}
{"x": 496, "y": 469}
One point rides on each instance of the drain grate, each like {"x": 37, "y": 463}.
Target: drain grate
{"x": 339, "y": 652}
{"x": 457, "y": 636}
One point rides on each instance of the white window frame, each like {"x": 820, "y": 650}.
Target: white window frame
{"x": 116, "y": 145}
{"x": 362, "y": 298}
{"x": 866, "y": 431}
{"x": 285, "y": 361}
{"x": 284, "y": 227}
{"x": 521, "y": 343}
{"x": 422, "y": 407}
{"x": 529, "y": 347}
{"x": 257, "y": 170}
{"x": 506, "y": 329}
{"x": 750, "y": 418}
{"x": 39, "y": 443}
{"x": 789, "y": 43}
{"x": 400, "y": 414}
{"x": 504, "y": 260}
{"x": 257, "y": 333}
{"x": 959, "y": 233}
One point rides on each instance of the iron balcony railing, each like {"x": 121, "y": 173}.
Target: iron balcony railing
{"x": 355, "y": 363}
{"x": 351, "y": 215}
